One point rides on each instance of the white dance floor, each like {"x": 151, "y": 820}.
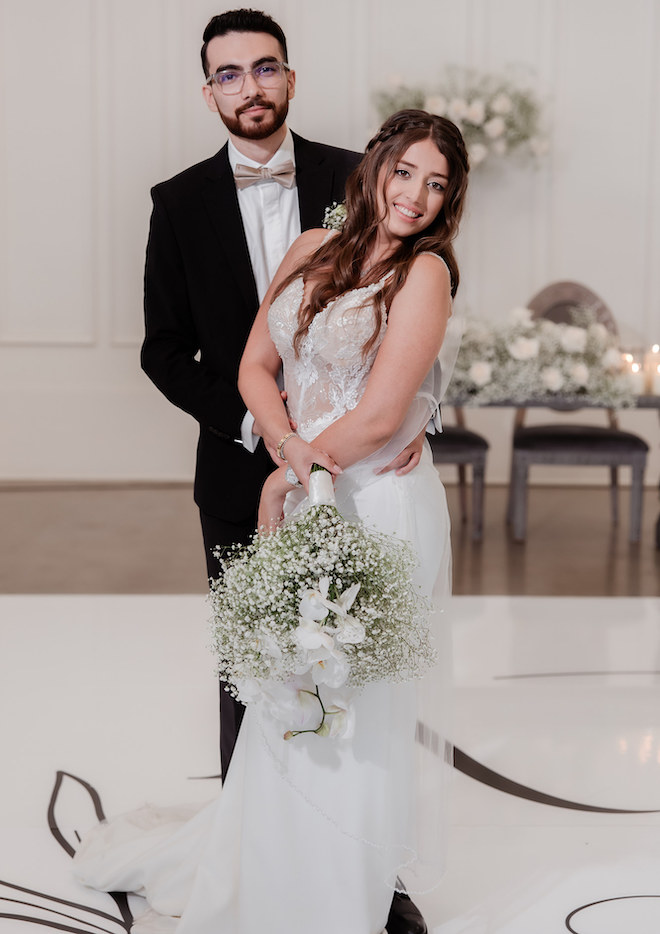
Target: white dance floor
{"x": 106, "y": 702}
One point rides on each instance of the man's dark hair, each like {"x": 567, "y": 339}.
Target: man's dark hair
{"x": 241, "y": 21}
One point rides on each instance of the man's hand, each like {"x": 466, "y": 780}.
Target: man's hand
{"x": 408, "y": 459}
{"x": 271, "y": 501}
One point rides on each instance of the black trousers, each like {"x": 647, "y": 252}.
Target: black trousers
{"x": 218, "y": 532}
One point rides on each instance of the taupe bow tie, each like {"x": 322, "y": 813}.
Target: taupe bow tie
{"x": 284, "y": 174}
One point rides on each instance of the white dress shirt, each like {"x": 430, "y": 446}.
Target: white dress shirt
{"x": 271, "y": 215}
{"x": 271, "y": 219}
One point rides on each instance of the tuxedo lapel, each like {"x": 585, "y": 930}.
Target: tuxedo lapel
{"x": 221, "y": 202}
{"x": 314, "y": 178}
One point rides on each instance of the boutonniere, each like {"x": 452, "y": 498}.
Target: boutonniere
{"x": 335, "y": 216}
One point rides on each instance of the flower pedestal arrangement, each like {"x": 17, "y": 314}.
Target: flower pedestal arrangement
{"x": 529, "y": 358}
{"x": 306, "y": 616}
{"x": 496, "y": 114}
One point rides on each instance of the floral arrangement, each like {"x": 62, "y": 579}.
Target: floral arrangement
{"x": 535, "y": 358}
{"x": 335, "y": 216}
{"x": 495, "y": 114}
{"x": 304, "y": 617}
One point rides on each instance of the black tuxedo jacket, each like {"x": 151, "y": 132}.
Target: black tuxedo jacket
{"x": 200, "y": 302}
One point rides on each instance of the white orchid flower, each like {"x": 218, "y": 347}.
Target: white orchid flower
{"x": 342, "y": 720}
{"x": 313, "y": 604}
{"x": 332, "y": 671}
{"x": 348, "y": 629}
{"x": 311, "y": 635}
{"x": 346, "y": 599}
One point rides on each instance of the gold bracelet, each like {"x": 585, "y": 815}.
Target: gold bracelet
{"x": 283, "y": 441}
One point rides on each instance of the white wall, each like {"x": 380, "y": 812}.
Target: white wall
{"x": 101, "y": 99}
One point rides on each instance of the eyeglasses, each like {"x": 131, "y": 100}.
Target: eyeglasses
{"x": 267, "y": 75}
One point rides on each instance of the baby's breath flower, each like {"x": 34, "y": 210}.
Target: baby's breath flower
{"x": 335, "y": 216}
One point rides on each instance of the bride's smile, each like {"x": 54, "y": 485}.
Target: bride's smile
{"x": 412, "y": 197}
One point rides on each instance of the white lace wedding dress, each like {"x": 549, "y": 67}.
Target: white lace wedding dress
{"x": 310, "y": 835}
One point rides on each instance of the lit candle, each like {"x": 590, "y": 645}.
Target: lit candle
{"x": 651, "y": 364}
{"x": 637, "y": 379}
{"x": 655, "y": 386}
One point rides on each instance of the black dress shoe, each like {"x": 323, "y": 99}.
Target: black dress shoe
{"x": 405, "y": 916}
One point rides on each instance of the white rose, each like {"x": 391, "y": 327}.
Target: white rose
{"x": 520, "y": 315}
{"x": 612, "y": 359}
{"x": 599, "y": 332}
{"x": 580, "y": 373}
{"x": 477, "y": 153}
{"x": 524, "y": 348}
{"x": 573, "y": 340}
{"x": 476, "y": 112}
{"x": 480, "y": 373}
{"x": 457, "y": 109}
{"x": 552, "y": 378}
{"x": 549, "y": 329}
{"x": 538, "y": 146}
{"x": 501, "y": 104}
{"x": 500, "y": 147}
{"x": 494, "y": 127}
{"x": 436, "y": 104}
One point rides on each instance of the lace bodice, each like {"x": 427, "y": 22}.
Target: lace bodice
{"x": 329, "y": 377}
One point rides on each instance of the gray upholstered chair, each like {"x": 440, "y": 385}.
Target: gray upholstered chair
{"x": 456, "y": 444}
{"x": 575, "y": 445}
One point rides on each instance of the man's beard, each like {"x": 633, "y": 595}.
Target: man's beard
{"x": 267, "y": 124}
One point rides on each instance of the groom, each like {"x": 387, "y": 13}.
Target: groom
{"x": 218, "y": 233}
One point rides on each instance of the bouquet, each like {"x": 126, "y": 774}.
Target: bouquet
{"x": 534, "y": 358}
{"x": 306, "y": 616}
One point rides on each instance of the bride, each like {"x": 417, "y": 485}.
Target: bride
{"x": 312, "y": 835}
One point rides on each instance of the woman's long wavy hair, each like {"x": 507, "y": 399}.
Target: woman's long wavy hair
{"x": 339, "y": 264}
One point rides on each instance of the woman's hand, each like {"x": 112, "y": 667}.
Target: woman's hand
{"x": 271, "y": 502}
{"x": 258, "y": 430}
{"x": 300, "y": 456}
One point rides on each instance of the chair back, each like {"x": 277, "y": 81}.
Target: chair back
{"x": 557, "y": 302}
